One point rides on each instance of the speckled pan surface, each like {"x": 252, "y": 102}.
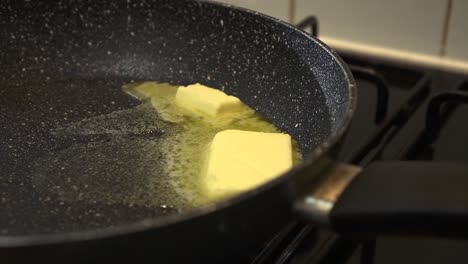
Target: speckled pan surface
{"x": 63, "y": 61}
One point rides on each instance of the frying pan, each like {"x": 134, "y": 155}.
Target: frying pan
{"x": 63, "y": 63}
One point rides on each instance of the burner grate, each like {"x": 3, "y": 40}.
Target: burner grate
{"x": 437, "y": 114}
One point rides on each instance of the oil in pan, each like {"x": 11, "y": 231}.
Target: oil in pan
{"x": 143, "y": 161}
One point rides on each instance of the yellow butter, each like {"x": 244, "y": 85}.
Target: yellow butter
{"x": 239, "y": 160}
{"x": 206, "y": 100}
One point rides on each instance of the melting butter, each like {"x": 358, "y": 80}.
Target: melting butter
{"x": 189, "y": 133}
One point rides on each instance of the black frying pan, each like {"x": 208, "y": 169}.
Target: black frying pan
{"x": 65, "y": 62}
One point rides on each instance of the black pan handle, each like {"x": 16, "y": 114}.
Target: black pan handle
{"x": 404, "y": 198}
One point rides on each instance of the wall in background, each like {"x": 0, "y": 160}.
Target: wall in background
{"x": 398, "y": 24}
{"x": 433, "y": 32}
{"x": 457, "y": 42}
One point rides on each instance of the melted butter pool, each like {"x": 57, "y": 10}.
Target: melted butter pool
{"x": 148, "y": 156}
{"x": 188, "y": 135}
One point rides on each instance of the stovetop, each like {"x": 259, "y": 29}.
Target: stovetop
{"x": 403, "y": 114}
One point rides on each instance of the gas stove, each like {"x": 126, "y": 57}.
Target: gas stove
{"x": 403, "y": 113}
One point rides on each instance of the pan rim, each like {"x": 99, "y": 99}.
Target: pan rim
{"x": 164, "y": 221}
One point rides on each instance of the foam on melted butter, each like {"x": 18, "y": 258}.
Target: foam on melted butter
{"x": 188, "y": 135}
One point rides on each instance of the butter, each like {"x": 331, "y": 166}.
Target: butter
{"x": 207, "y": 100}
{"x": 240, "y": 160}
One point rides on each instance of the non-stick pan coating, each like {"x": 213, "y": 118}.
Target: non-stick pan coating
{"x": 65, "y": 61}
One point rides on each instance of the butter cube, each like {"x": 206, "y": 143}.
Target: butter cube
{"x": 206, "y": 100}
{"x": 240, "y": 160}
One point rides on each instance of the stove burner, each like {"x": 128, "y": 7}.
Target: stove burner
{"x": 412, "y": 108}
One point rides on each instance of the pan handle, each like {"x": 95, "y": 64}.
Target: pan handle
{"x": 398, "y": 198}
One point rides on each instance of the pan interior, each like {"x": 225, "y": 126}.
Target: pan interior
{"x": 62, "y": 64}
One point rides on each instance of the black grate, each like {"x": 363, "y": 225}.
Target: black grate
{"x": 393, "y": 124}
{"x": 309, "y": 23}
{"x": 381, "y": 86}
{"x": 440, "y": 108}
